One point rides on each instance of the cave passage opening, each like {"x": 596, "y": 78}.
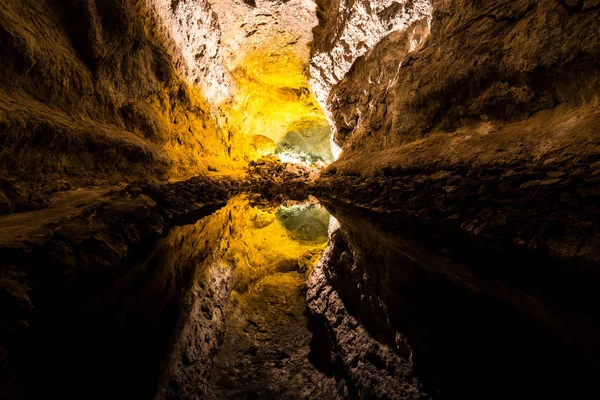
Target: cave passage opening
{"x": 275, "y": 108}
{"x": 263, "y": 102}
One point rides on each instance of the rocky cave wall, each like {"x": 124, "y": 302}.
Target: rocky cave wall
{"x": 195, "y": 43}
{"x": 250, "y": 59}
{"x": 96, "y": 90}
{"x": 494, "y": 114}
{"x": 266, "y": 49}
{"x": 482, "y": 136}
{"x": 478, "y": 132}
{"x": 485, "y": 66}
{"x": 347, "y": 30}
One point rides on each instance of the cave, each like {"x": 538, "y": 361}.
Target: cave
{"x": 299, "y": 199}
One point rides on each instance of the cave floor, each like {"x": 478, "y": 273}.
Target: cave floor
{"x": 265, "y": 353}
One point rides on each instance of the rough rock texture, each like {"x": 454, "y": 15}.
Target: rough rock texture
{"x": 271, "y": 177}
{"x": 485, "y": 66}
{"x": 249, "y": 28}
{"x": 477, "y": 148}
{"x": 250, "y": 61}
{"x": 371, "y": 369}
{"x": 89, "y": 91}
{"x": 347, "y": 29}
{"x": 410, "y": 305}
{"x": 489, "y": 128}
{"x": 194, "y": 35}
{"x": 547, "y": 211}
{"x": 351, "y": 101}
{"x": 103, "y": 92}
{"x": 466, "y": 261}
{"x": 266, "y": 49}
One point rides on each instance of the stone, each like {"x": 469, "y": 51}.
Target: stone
{"x": 539, "y": 183}
{"x": 588, "y": 193}
{"x": 566, "y": 247}
{"x": 555, "y": 174}
{"x": 590, "y": 4}
{"x": 590, "y": 250}
{"x": 5, "y": 203}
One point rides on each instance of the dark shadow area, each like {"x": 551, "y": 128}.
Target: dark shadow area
{"x": 480, "y": 325}
{"x": 109, "y": 334}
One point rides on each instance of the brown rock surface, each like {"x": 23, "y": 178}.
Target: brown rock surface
{"x": 491, "y": 125}
{"x": 348, "y": 29}
{"x": 88, "y": 90}
{"x": 486, "y": 65}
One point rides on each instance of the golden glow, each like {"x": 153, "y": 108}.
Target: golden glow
{"x": 193, "y": 141}
{"x": 269, "y": 97}
{"x": 249, "y": 242}
{"x": 272, "y": 97}
{"x": 260, "y": 245}
{"x": 182, "y": 122}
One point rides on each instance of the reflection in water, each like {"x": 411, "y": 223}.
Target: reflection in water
{"x": 155, "y": 327}
{"x": 217, "y": 310}
{"x": 259, "y": 257}
{"x": 472, "y": 334}
{"x": 115, "y": 330}
{"x": 304, "y": 222}
{"x": 267, "y": 343}
{"x": 272, "y": 238}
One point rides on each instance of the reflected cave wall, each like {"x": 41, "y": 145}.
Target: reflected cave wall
{"x": 455, "y": 319}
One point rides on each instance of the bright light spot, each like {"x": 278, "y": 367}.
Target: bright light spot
{"x": 335, "y": 149}
{"x": 285, "y": 158}
{"x": 334, "y": 225}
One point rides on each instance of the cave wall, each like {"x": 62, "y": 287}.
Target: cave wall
{"x": 100, "y": 90}
{"x": 348, "y": 29}
{"x": 250, "y": 60}
{"x": 473, "y": 138}
{"x": 97, "y": 92}
{"x": 489, "y": 126}
{"x": 195, "y": 35}
{"x": 484, "y": 132}
{"x": 485, "y": 66}
{"x": 266, "y": 50}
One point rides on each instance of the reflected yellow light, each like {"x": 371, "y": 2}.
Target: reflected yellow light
{"x": 261, "y": 245}
{"x": 252, "y": 243}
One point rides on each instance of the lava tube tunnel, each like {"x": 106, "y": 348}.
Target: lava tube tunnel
{"x": 299, "y": 199}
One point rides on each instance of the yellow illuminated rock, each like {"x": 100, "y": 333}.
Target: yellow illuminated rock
{"x": 248, "y": 68}
{"x": 273, "y": 98}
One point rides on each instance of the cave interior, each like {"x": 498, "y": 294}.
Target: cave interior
{"x": 299, "y": 199}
